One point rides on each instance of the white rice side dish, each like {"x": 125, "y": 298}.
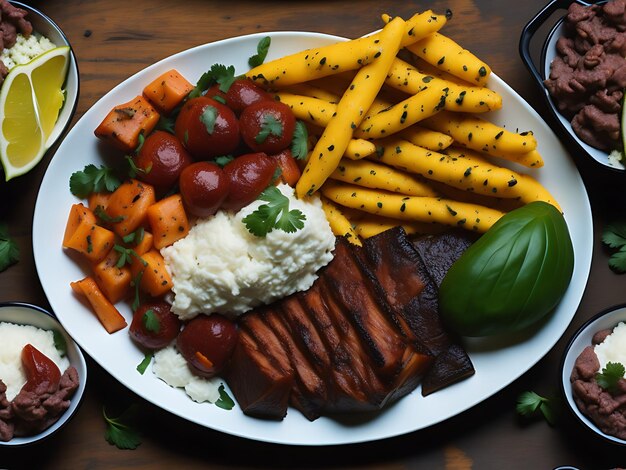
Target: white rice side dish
{"x": 13, "y": 338}
{"x": 25, "y": 49}
{"x": 613, "y": 348}
{"x": 220, "y": 267}
{"x": 171, "y": 367}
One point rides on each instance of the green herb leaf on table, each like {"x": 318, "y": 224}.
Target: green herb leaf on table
{"x": 93, "y": 180}
{"x": 610, "y": 376}
{"x": 275, "y": 215}
{"x": 119, "y": 432}
{"x": 300, "y": 141}
{"x": 262, "y": 49}
{"x": 143, "y": 365}
{"x": 529, "y": 403}
{"x": 224, "y": 401}
{"x": 9, "y": 252}
{"x": 614, "y": 236}
{"x": 269, "y": 126}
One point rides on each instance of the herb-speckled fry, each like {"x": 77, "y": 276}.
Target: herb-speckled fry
{"x": 479, "y": 134}
{"x": 462, "y": 169}
{"x": 371, "y": 225}
{"x": 339, "y": 223}
{"x": 418, "y": 107}
{"x": 359, "y": 148}
{"x": 447, "y": 55}
{"x": 413, "y": 208}
{"x": 427, "y": 138}
{"x": 472, "y": 99}
{"x": 340, "y": 57}
{"x": 374, "y": 175}
{"x": 350, "y": 111}
{"x": 309, "y": 109}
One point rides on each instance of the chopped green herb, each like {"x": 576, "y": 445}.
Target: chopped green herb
{"x": 208, "y": 118}
{"x": 610, "y": 375}
{"x": 106, "y": 218}
{"x": 59, "y": 342}
{"x": 126, "y": 256}
{"x": 223, "y": 160}
{"x": 269, "y": 126}
{"x": 119, "y": 433}
{"x": 528, "y": 403}
{"x": 134, "y": 170}
{"x": 300, "y": 141}
{"x": 136, "y": 237}
{"x": 93, "y": 180}
{"x": 166, "y": 123}
{"x": 9, "y": 252}
{"x": 151, "y": 321}
{"x": 275, "y": 215}
{"x": 135, "y": 282}
{"x": 262, "y": 49}
{"x": 143, "y": 365}
{"x": 220, "y": 74}
{"x": 224, "y": 401}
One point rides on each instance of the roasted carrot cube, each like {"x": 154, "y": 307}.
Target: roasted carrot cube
{"x": 168, "y": 221}
{"x": 125, "y": 122}
{"x": 83, "y": 235}
{"x": 113, "y": 281}
{"x": 144, "y": 245}
{"x": 128, "y": 206}
{"x": 155, "y": 279}
{"x": 79, "y": 214}
{"x": 109, "y": 316}
{"x": 98, "y": 199}
{"x": 167, "y": 91}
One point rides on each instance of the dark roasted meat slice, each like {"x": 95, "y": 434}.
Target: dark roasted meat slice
{"x": 448, "y": 368}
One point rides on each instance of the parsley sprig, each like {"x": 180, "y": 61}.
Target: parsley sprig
{"x": 262, "y": 49}
{"x": 9, "y": 252}
{"x": 224, "y": 401}
{"x": 119, "y": 431}
{"x": 93, "y": 180}
{"x": 217, "y": 74}
{"x": 614, "y": 236}
{"x": 529, "y": 403}
{"x": 610, "y": 376}
{"x": 274, "y": 215}
{"x": 300, "y": 141}
{"x": 269, "y": 126}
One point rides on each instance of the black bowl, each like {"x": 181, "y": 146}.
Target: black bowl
{"x": 563, "y": 127}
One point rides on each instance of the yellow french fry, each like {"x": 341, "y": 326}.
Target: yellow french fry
{"x": 339, "y": 223}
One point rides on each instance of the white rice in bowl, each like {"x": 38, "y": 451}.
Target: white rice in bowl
{"x": 25, "y": 49}
{"x": 13, "y": 338}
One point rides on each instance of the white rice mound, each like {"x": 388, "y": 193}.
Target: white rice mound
{"x": 13, "y": 338}
{"x": 613, "y": 348}
{"x": 171, "y": 367}
{"x": 25, "y": 49}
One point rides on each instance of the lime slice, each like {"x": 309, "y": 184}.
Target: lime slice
{"x": 30, "y": 100}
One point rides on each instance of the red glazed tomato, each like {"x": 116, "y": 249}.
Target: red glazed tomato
{"x": 39, "y": 368}
{"x": 154, "y": 325}
{"x": 207, "y": 343}
{"x": 267, "y": 126}
{"x": 207, "y": 128}
{"x": 248, "y": 175}
{"x": 289, "y": 169}
{"x": 243, "y": 92}
{"x": 162, "y": 157}
{"x": 203, "y": 187}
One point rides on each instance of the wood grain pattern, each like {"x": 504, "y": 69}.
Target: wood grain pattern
{"x": 114, "y": 39}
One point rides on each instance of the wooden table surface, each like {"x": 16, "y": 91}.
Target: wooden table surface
{"x": 114, "y": 39}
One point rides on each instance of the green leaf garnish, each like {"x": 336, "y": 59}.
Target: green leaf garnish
{"x": 9, "y": 252}
{"x": 610, "y": 376}
{"x": 220, "y": 74}
{"x": 151, "y": 321}
{"x": 275, "y": 215}
{"x": 300, "y": 141}
{"x": 135, "y": 282}
{"x": 262, "y": 49}
{"x": 59, "y": 342}
{"x": 93, "y": 180}
{"x": 528, "y": 403}
{"x": 143, "y": 365}
{"x": 106, "y": 218}
{"x": 126, "y": 256}
{"x": 224, "y": 401}
{"x": 134, "y": 170}
{"x": 614, "y": 236}
{"x": 136, "y": 237}
{"x": 269, "y": 126}
{"x": 223, "y": 160}
{"x": 119, "y": 433}
{"x": 208, "y": 118}
{"x": 166, "y": 123}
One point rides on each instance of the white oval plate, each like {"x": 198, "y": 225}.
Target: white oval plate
{"x": 496, "y": 365}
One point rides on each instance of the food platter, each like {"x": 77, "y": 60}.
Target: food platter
{"x": 497, "y": 363}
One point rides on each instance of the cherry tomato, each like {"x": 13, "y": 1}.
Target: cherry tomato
{"x": 243, "y": 92}
{"x": 162, "y": 158}
{"x": 214, "y": 92}
{"x": 203, "y": 187}
{"x": 154, "y": 325}
{"x": 267, "y": 126}
{"x": 39, "y": 369}
{"x": 289, "y": 169}
{"x": 248, "y": 175}
{"x": 207, "y": 128}
{"x": 207, "y": 343}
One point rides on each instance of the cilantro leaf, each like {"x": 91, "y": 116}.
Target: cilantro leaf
{"x": 614, "y": 235}
{"x": 220, "y": 74}
{"x": 300, "y": 141}
{"x": 610, "y": 375}
{"x": 262, "y": 49}
{"x": 119, "y": 433}
{"x": 269, "y": 126}
{"x": 93, "y": 180}
{"x": 9, "y": 252}
{"x": 151, "y": 321}
{"x": 528, "y": 403}
{"x": 223, "y": 160}
{"x": 276, "y": 214}
{"x": 143, "y": 365}
{"x": 208, "y": 118}
{"x": 617, "y": 261}
{"x": 224, "y": 401}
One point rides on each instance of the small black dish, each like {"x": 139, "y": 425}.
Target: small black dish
{"x": 548, "y": 52}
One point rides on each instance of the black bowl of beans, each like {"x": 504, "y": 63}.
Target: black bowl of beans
{"x": 582, "y": 75}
